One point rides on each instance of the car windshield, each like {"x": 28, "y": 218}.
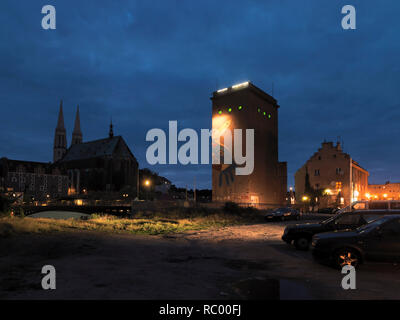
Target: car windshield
{"x": 372, "y": 225}
{"x": 331, "y": 218}
{"x": 280, "y": 210}
{"x": 345, "y": 209}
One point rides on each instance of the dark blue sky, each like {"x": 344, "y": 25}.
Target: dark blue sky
{"x": 147, "y": 62}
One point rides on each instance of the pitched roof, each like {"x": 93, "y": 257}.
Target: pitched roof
{"x": 92, "y": 149}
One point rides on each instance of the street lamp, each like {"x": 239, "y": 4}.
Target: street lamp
{"x": 147, "y": 183}
{"x": 305, "y": 199}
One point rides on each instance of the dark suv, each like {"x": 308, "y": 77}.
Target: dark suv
{"x": 375, "y": 241}
{"x": 350, "y": 217}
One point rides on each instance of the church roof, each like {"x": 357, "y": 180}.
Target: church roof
{"x": 93, "y": 149}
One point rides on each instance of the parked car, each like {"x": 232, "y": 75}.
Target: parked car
{"x": 283, "y": 214}
{"x": 351, "y": 217}
{"x": 375, "y": 241}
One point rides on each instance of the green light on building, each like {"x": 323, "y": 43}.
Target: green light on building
{"x": 229, "y": 109}
{"x": 240, "y": 107}
{"x": 259, "y": 110}
{"x": 264, "y": 113}
{"x": 269, "y": 116}
{"x": 220, "y": 112}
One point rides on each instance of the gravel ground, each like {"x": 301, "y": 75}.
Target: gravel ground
{"x": 242, "y": 262}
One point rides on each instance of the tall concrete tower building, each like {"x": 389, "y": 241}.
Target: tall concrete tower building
{"x": 60, "y": 137}
{"x": 244, "y": 106}
{"x": 77, "y": 133}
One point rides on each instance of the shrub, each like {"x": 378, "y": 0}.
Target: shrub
{"x": 4, "y": 204}
{"x": 232, "y": 208}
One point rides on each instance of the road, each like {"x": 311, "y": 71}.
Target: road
{"x": 241, "y": 262}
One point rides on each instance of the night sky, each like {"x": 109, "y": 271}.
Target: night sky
{"x": 146, "y": 62}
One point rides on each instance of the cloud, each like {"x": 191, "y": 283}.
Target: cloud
{"x": 147, "y": 62}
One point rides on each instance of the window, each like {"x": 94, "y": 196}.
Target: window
{"x": 348, "y": 219}
{"x": 316, "y": 172}
{"x": 359, "y": 206}
{"x": 319, "y": 158}
{"x": 338, "y": 170}
{"x": 395, "y": 205}
{"x": 374, "y": 205}
{"x": 334, "y": 155}
{"x": 338, "y": 185}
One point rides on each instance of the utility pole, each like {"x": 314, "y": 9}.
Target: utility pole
{"x": 194, "y": 190}
{"x": 351, "y": 180}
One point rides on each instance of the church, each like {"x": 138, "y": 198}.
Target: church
{"x": 104, "y": 165}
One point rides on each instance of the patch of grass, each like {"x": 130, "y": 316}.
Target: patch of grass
{"x": 153, "y": 223}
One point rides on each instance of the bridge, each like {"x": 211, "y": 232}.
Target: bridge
{"x": 112, "y": 210}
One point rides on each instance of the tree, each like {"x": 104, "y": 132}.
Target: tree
{"x": 311, "y": 193}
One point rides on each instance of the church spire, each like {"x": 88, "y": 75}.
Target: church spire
{"x": 77, "y": 133}
{"x": 60, "y": 137}
{"x": 111, "y": 133}
{"x": 60, "y": 123}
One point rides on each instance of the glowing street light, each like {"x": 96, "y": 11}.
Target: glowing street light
{"x": 305, "y": 198}
{"x": 147, "y": 184}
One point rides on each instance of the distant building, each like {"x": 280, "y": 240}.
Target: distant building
{"x": 245, "y": 106}
{"x": 341, "y": 179}
{"x": 163, "y": 186}
{"x": 99, "y": 165}
{"x": 387, "y": 191}
{"x": 38, "y": 180}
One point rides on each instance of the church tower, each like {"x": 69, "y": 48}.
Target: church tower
{"x": 60, "y": 137}
{"x": 111, "y": 132}
{"x": 77, "y": 134}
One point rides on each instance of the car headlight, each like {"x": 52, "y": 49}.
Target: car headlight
{"x": 287, "y": 214}
{"x": 314, "y": 243}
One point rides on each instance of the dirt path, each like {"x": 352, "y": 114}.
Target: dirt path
{"x": 228, "y": 263}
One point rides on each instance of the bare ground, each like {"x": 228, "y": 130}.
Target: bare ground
{"x": 242, "y": 262}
